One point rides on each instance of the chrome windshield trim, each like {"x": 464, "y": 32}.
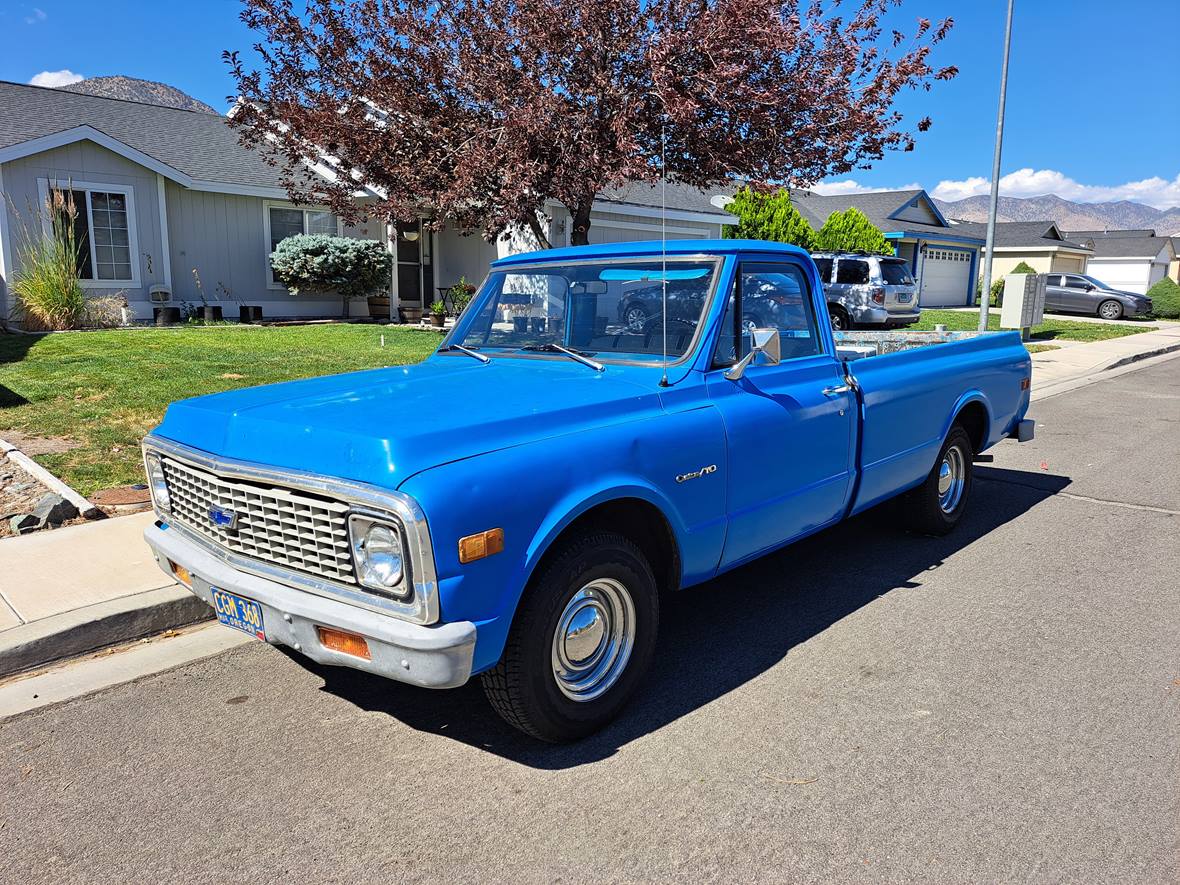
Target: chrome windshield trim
{"x": 717, "y": 261}
{"x": 423, "y": 605}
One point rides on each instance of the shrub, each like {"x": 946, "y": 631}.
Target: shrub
{"x": 104, "y": 312}
{"x": 46, "y": 285}
{"x": 851, "y": 231}
{"x": 319, "y": 263}
{"x": 1165, "y": 299}
{"x": 997, "y": 291}
{"x": 768, "y": 215}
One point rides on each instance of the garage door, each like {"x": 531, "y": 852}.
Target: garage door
{"x": 1069, "y": 263}
{"x": 946, "y": 277}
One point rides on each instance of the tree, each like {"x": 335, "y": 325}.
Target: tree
{"x": 851, "y": 231}
{"x": 768, "y": 215}
{"x": 318, "y": 263}
{"x": 480, "y": 112}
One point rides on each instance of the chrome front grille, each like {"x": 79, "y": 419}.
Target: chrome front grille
{"x": 276, "y": 525}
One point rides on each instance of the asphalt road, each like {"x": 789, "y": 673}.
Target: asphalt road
{"x": 1003, "y": 704}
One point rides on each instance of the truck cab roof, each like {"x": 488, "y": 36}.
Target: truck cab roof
{"x": 652, "y": 247}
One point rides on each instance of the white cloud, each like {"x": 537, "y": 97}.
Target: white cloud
{"x": 850, "y": 186}
{"x": 54, "y": 79}
{"x": 1155, "y": 191}
{"x": 37, "y": 15}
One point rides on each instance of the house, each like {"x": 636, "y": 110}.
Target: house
{"x": 171, "y": 202}
{"x": 1131, "y": 260}
{"x": 1174, "y": 266}
{"x": 1039, "y": 244}
{"x": 943, "y": 257}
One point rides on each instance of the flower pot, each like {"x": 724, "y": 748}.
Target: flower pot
{"x": 250, "y": 313}
{"x": 556, "y": 325}
{"x": 379, "y": 306}
{"x": 438, "y": 319}
{"x": 211, "y": 314}
{"x": 538, "y": 324}
{"x": 520, "y": 324}
{"x": 166, "y": 316}
{"x": 410, "y": 314}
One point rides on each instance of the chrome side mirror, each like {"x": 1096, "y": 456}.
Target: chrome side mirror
{"x": 765, "y": 342}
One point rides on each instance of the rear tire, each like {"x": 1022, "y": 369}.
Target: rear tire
{"x": 935, "y": 507}
{"x": 583, "y": 637}
{"x": 839, "y": 318}
{"x": 1110, "y": 310}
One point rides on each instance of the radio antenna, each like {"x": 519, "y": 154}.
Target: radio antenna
{"x": 663, "y": 251}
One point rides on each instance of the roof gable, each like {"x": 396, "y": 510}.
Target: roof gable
{"x": 920, "y": 209}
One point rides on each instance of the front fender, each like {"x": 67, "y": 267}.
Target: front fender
{"x": 534, "y": 491}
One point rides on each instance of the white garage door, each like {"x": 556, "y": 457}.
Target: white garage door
{"x": 946, "y": 277}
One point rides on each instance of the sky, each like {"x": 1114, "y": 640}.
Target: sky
{"x": 1091, "y": 112}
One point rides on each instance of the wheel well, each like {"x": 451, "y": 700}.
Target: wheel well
{"x": 642, "y": 522}
{"x": 973, "y": 417}
{"x": 837, "y": 307}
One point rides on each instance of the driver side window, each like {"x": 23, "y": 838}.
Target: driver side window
{"x": 768, "y": 296}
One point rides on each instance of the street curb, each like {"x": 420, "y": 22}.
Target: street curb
{"x": 51, "y": 482}
{"x": 98, "y": 626}
{"x": 1147, "y": 354}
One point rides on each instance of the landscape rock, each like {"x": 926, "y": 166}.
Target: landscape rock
{"x": 54, "y": 509}
{"x": 25, "y": 523}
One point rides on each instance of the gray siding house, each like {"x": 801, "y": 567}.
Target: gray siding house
{"x": 172, "y": 202}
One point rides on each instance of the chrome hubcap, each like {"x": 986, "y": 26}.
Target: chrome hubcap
{"x": 1110, "y": 311}
{"x": 837, "y": 321}
{"x": 593, "y": 640}
{"x": 952, "y": 473}
{"x": 636, "y": 317}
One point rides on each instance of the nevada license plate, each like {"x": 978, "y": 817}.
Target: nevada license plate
{"x": 239, "y": 613}
{"x": 903, "y": 297}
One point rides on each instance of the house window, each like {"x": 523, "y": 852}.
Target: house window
{"x": 102, "y": 232}
{"x": 286, "y": 221}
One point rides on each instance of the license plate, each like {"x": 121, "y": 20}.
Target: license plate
{"x": 239, "y": 613}
{"x": 904, "y": 297}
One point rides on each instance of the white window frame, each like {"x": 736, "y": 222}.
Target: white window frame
{"x": 44, "y": 185}
{"x": 267, "y": 205}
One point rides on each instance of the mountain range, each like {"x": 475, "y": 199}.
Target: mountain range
{"x": 145, "y": 91}
{"x": 1120, "y": 215}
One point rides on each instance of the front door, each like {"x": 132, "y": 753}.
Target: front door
{"x": 789, "y": 428}
{"x": 1080, "y": 294}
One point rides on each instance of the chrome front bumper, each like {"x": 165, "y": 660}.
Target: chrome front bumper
{"x": 433, "y": 657}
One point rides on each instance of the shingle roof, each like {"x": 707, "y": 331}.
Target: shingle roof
{"x": 1017, "y": 234}
{"x": 200, "y": 145}
{"x": 877, "y": 205}
{"x": 1115, "y": 234}
{"x": 677, "y": 196}
{"x": 1128, "y": 247}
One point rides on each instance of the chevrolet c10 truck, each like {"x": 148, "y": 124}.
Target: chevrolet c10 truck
{"x": 516, "y": 505}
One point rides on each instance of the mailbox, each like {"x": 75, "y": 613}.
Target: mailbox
{"x": 1024, "y": 300}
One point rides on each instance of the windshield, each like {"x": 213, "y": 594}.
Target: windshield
{"x": 896, "y": 273}
{"x": 604, "y": 309}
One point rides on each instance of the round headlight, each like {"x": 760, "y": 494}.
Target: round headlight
{"x": 378, "y": 550}
{"x": 157, "y": 484}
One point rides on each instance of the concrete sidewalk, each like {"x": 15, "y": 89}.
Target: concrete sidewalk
{"x": 73, "y": 590}
{"x": 76, "y": 589}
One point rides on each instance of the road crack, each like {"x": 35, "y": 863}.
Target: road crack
{"x": 1086, "y": 498}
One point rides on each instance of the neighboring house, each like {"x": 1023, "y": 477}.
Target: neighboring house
{"x": 943, "y": 257}
{"x": 1174, "y": 266}
{"x": 1131, "y": 260}
{"x": 170, "y": 196}
{"x": 1039, "y": 244}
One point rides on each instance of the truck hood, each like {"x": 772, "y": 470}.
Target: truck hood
{"x": 384, "y": 425}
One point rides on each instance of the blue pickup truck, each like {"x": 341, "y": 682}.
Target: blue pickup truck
{"x": 515, "y": 505}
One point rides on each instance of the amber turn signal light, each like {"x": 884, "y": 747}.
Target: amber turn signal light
{"x": 345, "y": 643}
{"x": 482, "y": 544}
{"x": 1025, "y": 383}
{"x": 181, "y": 574}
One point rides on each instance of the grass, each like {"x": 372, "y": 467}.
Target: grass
{"x": 105, "y": 390}
{"x": 1067, "y": 330}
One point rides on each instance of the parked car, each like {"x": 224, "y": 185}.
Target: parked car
{"x": 868, "y": 290}
{"x": 514, "y": 505}
{"x": 1078, "y": 293}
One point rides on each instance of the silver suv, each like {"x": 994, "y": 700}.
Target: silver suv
{"x": 868, "y": 290}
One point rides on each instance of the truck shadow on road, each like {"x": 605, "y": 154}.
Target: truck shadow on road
{"x": 719, "y": 635}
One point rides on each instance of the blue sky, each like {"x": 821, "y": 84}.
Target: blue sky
{"x": 1092, "y": 112}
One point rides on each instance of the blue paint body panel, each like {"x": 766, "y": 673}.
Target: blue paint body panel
{"x": 531, "y": 443}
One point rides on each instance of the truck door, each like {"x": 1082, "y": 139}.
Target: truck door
{"x": 789, "y": 428}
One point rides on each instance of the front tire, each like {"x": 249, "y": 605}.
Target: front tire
{"x": 1110, "y": 310}
{"x": 582, "y": 639}
{"x": 635, "y": 317}
{"x": 936, "y": 506}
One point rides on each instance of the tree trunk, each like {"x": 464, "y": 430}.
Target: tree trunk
{"x": 580, "y": 220}
{"x": 539, "y": 232}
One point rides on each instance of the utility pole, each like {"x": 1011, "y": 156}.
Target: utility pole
{"x": 985, "y": 295}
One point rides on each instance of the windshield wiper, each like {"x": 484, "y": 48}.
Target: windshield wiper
{"x": 483, "y": 358}
{"x": 550, "y": 347}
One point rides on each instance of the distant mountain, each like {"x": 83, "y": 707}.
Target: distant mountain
{"x": 146, "y": 91}
{"x": 1120, "y": 215}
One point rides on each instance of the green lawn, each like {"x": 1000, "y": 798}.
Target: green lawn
{"x": 962, "y": 321}
{"x": 105, "y": 390}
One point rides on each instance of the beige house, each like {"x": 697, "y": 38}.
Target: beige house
{"x": 1130, "y": 260}
{"x": 1039, "y": 244}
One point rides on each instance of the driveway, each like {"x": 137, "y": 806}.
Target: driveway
{"x": 1002, "y": 704}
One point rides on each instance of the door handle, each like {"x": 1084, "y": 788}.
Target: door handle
{"x": 837, "y": 390}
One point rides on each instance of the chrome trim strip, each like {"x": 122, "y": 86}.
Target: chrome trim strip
{"x": 423, "y": 607}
